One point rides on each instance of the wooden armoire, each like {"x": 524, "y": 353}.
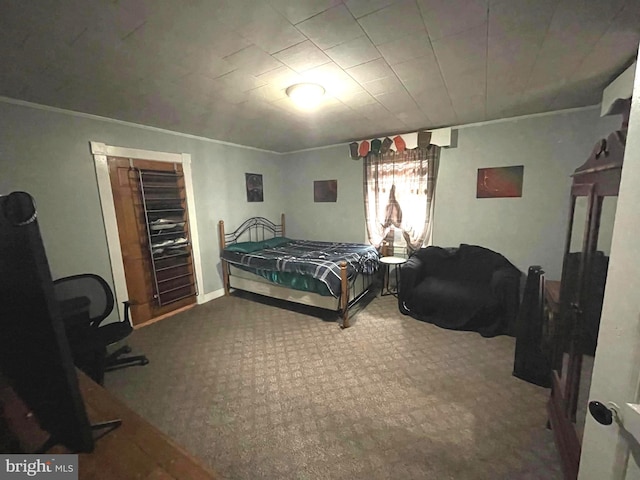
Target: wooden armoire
{"x": 594, "y": 192}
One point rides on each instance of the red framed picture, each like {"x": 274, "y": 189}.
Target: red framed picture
{"x": 500, "y": 182}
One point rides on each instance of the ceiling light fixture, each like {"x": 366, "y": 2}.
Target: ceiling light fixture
{"x": 306, "y": 95}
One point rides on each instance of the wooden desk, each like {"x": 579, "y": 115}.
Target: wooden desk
{"x": 134, "y": 450}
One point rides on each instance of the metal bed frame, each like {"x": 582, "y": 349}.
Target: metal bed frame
{"x": 258, "y": 229}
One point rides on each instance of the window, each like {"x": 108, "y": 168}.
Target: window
{"x": 398, "y": 196}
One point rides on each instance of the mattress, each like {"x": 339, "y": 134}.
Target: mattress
{"x": 304, "y": 265}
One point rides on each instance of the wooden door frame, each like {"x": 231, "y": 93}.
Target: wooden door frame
{"x": 100, "y": 152}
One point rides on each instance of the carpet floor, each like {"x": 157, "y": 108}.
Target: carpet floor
{"x": 258, "y": 390}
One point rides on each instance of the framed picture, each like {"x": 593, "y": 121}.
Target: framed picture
{"x": 500, "y": 182}
{"x": 325, "y": 190}
{"x": 254, "y": 187}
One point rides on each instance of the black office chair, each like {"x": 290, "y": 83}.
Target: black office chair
{"x": 85, "y": 301}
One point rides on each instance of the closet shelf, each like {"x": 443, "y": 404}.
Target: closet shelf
{"x": 162, "y": 233}
{"x": 181, "y": 287}
{"x": 164, "y": 280}
{"x": 157, "y": 173}
{"x": 176, "y": 299}
{"x": 166, "y": 210}
{"x": 165, "y": 199}
{"x": 163, "y": 203}
{"x": 163, "y": 269}
{"x": 163, "y": 187}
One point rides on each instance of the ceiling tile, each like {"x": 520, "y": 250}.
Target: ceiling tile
{"x": 419, "y": 73}
{"x": 331, "y": 27}
{"x": 397, "y": 101}
{"x": 239, "y": 80}
{"x": 212, "y": 65}
{"x": 234, "y": 14}
{"x": 225, "y": 41}
{"x": 467, "y": 84}
{"x": 392, "y": 22}
{"x": 435, "y": 103}
{"x": 515, "y": 39}
{"x": 272, "y": 32}
{"x": 573, "y": 32}
{"x": 412, "y": 46}
{"x": 204, "y": 67}
{"x": 579, "y": 21}
{"x": 380, "y": 86}
{"x": 200, "y": 85}
{"x": 500, "y": 105}
{"x": 554, "y": 63}
{"x": 281, "y": 77}
{"x": 450, "y": 17}
{"x": 300, "y": 10}
{"x": 370, "y": 71}
{"x": 576, "y": 95}
{"x": 611, "y": 52}
{"x": 335, "y": 81}
{"x": 268, "y": 93}
{"x": 230, "y": 95}
{"x": 357, "y": 98}
{"x": 462, "y": 52}
{"x": 253, "y": 60}
{"x": 415, "y": 119}
{"x": 372, "y": 110}
{"x": 303, "y": 56}
{"x": 470, "y": 109}
{"x": 354, "y": 52}
{"x": 522, "y": 17}
{"x": 360, "y": 8}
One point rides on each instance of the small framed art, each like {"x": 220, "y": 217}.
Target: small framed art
{"x": 254, "y": 187}
{"x": 325, "y": 191}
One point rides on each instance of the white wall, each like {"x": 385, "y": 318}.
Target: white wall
{"x": 528, "y": 231}
{"x": 616, "y": 372}
{"x": 47, "y": 154}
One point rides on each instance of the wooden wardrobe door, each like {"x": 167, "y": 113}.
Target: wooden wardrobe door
{"x": 134, "y": 240}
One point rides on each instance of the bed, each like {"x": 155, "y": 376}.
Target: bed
{"x": 257, "y": 257}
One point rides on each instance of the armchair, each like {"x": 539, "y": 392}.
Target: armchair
{"x": 86, "y": 300}
{"x": 465, "y": 288}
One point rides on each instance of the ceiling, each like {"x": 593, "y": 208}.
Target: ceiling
{"x": 219, "y": 68}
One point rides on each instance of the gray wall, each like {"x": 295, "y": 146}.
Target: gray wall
{"x": 529, "y": 230}
{"x": 47, "y": 154}
{"x": 342, "y": 221}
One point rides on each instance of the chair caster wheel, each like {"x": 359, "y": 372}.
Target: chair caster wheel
{"x": 126, "y": 349}
{"x": 144, "y": 362}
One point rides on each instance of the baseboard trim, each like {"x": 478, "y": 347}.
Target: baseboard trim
{"x": 207, "y": 297}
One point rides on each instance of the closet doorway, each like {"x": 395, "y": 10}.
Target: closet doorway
{"x": 147, "y": 202}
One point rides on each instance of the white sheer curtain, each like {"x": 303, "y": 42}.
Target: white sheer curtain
{"x": 398, "y": 193}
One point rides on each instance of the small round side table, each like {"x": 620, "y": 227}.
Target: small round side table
{"x": 387, "y": 262}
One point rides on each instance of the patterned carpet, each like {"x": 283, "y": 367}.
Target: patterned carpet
{"x": 259, "y": 391}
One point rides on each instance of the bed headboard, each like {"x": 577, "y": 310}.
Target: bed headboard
{"x": 253, "y": 229}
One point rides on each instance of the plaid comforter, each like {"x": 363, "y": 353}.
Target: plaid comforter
{"x": 320, "y": 260}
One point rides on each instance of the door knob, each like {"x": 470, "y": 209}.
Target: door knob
{"x": 601, "y": 413}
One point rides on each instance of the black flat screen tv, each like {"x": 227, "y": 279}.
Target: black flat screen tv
{"x": 34, "y": 353}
